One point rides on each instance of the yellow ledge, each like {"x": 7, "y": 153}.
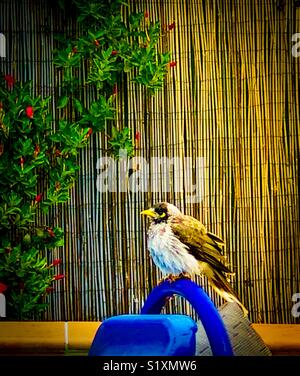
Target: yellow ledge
{"x": 282, "y": 339}
{"x": 61, "y": 338}
{"x": 44, "y": 337}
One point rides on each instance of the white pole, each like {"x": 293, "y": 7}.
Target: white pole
{"x": 2, "y": 45}
{"x": 2, "y": 305}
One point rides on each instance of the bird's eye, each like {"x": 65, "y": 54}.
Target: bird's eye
{"x": 160, "y": 212}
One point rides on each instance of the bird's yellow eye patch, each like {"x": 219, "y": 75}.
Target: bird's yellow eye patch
{"x": 162, "y": 215}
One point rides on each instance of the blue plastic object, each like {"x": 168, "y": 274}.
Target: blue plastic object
{"x": 171, "y": 335}
{"x": 208, "y": 314}
{"x": 148, "y": 335}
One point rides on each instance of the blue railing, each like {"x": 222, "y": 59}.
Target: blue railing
{"x": 152, "y": 333}
{"x": 208, "y": 314}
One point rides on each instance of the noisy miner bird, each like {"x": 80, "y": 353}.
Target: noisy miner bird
{"x": 181, "y": 246}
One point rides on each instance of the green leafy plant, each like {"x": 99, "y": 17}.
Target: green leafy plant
{"x": 111, "y": 48}
{"x": 38, "y": 154}
{"x": 37, "y": 169}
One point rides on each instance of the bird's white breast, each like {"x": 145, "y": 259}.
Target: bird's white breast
{"x": 169, "y": 254}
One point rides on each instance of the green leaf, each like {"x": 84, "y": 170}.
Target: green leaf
{"x": 63, "y": 101}
{"x": 78, "y": 105}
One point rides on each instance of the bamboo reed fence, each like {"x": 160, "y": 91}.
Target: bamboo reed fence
{"x": 232, "y": 100}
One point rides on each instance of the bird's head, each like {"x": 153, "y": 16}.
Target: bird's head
{"x": 161, "y": 212}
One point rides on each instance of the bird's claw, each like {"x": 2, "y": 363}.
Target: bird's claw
{"x": 184, "y": 276}
{"x": 172, "y": 278}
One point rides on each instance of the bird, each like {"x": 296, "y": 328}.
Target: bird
{"x": 181, "y": 247}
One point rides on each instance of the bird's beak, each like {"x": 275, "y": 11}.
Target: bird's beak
{"x": 149, "y": 213}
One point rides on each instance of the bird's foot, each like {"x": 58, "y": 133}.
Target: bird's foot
{"x": 170, "y": 278}
{"x": 184, "y": 276}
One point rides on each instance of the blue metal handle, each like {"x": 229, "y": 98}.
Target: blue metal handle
{"x": 208, "y": 314}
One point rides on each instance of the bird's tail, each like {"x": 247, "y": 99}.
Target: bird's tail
{"x": 220, "y": 284}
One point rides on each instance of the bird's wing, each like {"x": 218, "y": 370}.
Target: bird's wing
{"x": 204, "y": 245}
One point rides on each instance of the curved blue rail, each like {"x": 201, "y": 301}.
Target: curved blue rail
{"x": 208, "y": 314}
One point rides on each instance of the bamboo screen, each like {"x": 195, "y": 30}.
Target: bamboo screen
{"x": 232, "y": 103}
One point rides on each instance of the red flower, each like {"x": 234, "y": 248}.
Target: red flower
{"x": 171, "y": 26}
{"x": 172, "y": 64}
{"x": 9, "y": 79}
{"x": 137, "y": 136}
{"x": 29, "y": 112}
{"x": 3, "y": 287}
{"x": 49, "y": 289}
{"x": 57, "y": 152}
{"x": 146, "y": 14}
{"x": 38, "y": 198}
{"x": 115, "y": 89}
{"x": 58, "y": 277}
{"x": 37, "y": 150}
{"x": 56, "y": 262}
{"x": 57, "y": 185}
{"x": 74, "y": 50}
{"x": 22, "y": 161}
{"x": 90, "y": 131}
{"x": 96, "y": 42}
{"x": 51, "y": 232}
{"x": 114, "y": 52}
